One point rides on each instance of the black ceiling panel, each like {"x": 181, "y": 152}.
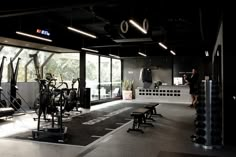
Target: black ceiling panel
{"x": 186, "y": 30}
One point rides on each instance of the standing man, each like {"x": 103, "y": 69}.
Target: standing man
{"x": 193, "y": 82}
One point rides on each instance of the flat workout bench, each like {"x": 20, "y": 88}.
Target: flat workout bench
{"x": 152, "y": 108}
{"x": 139, "y": 117}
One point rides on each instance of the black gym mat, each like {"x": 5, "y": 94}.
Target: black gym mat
{"x": 175, "y": 154}
{"x": 81, "y": 133}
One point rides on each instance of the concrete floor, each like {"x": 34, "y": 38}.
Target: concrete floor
{"x": 170, "y": 133}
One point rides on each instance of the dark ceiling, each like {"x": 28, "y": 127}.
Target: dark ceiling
{"x": 189, "y": 31}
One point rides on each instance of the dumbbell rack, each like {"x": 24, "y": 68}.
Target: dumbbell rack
{"x": 208, "y": 122}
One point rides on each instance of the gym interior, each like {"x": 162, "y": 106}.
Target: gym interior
{"x": 108, "y": 78}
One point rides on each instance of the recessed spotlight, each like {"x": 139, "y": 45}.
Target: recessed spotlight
{"x": 206, "y": 53}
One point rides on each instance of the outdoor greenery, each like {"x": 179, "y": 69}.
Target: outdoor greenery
{"x": 67, "y": 65}
{"x": 128, "y": 84}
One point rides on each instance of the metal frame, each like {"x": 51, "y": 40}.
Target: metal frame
{"x": 8, "y": 66}
{"x": 44, "y": 63}
{"x": 111, "y": 76}
{"x": 99, "y": 77}
{"x": 26, "y": 66}
{"x": 1, "y": 47}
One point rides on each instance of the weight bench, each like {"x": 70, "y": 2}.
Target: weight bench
{"x": 153, "y": 111}
{"x": 6, "y": 111}
{"x": 139, "y": 117}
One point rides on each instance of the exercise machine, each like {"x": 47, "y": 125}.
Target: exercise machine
{"x": 15, "y": 102}
{"x": 47, "y": 94}
{"x": 4, "y": 110}
{"x": 72, "y": 96}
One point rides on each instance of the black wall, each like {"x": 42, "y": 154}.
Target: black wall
{"x": 161, "y": 69}
{"x": 164, "y": 68}
{"x": 186, "y": 63}
{"x": 229, "y": 63}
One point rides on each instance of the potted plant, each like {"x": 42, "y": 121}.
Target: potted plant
{"x": 127, "y": 89}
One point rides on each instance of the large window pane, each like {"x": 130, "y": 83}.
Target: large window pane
{"x": 24, "y": 55}
{"x": 9, "y": 52}
{"x": 42, "y": 56}
{"x": 116, "y": 78}
{"x": 66, "y": 65}
{"x": 31, "y": 74}
{"x": 105, "y": 77}
{"x": 92, "y": 75}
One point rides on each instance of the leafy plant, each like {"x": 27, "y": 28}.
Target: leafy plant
{"x": 128, "y": 84}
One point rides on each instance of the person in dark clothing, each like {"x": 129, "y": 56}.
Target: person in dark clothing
{"x": 193, "y": 82}
{"x": 147, "y": 77}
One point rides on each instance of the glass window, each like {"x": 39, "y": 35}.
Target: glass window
{"x": 9, "y": 52}
{"x": 116, "y": 78}
{"x": 42, "y": 56}
{"x": 31, "y": 75}
{"x": 92, "y": 75}
{"x": 105, "y": 77}
{"x": 24, "y": 55}
{"x": 65, "y": 65}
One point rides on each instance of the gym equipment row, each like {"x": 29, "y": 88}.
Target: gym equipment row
{"x": 54, "y": 101}
{"x": 14, "y": 102}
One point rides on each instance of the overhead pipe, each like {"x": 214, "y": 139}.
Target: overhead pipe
{"x": 26, "y": 11}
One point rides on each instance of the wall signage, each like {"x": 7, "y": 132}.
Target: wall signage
{"x": 43, "y": 32}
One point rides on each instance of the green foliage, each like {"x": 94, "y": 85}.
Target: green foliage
{"x": 69, "y": 68}
{"x": 91, "y": 71}
{"x": 128, "y": 84}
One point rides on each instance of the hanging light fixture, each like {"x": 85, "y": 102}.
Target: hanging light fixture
{"x": 82, "y": 32}
{"x": 33, "y": 36}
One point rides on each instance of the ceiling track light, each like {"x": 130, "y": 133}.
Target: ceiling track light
{"x": 91, "y": 50}
{"x": 82, "y": 32}
{"x": 137, "y": 26}
{"x": 33, "y": 36}
{"x": 172, "y": 52}
{"x": 162, "y": 45}
{"x": 142, "y": 54}
{"x": 114, "y": 56}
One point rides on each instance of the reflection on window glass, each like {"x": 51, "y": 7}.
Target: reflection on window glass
{"x": 66, "y": 65}
{"x": 105, "y": 77}
{"x": 116, "y": 78}
{"x": 92, "y": 75}
{"x": 9, "y": 52}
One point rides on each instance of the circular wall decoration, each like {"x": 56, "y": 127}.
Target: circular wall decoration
{"x": 145, "y": 24}
{"x": 124, "y": 27}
